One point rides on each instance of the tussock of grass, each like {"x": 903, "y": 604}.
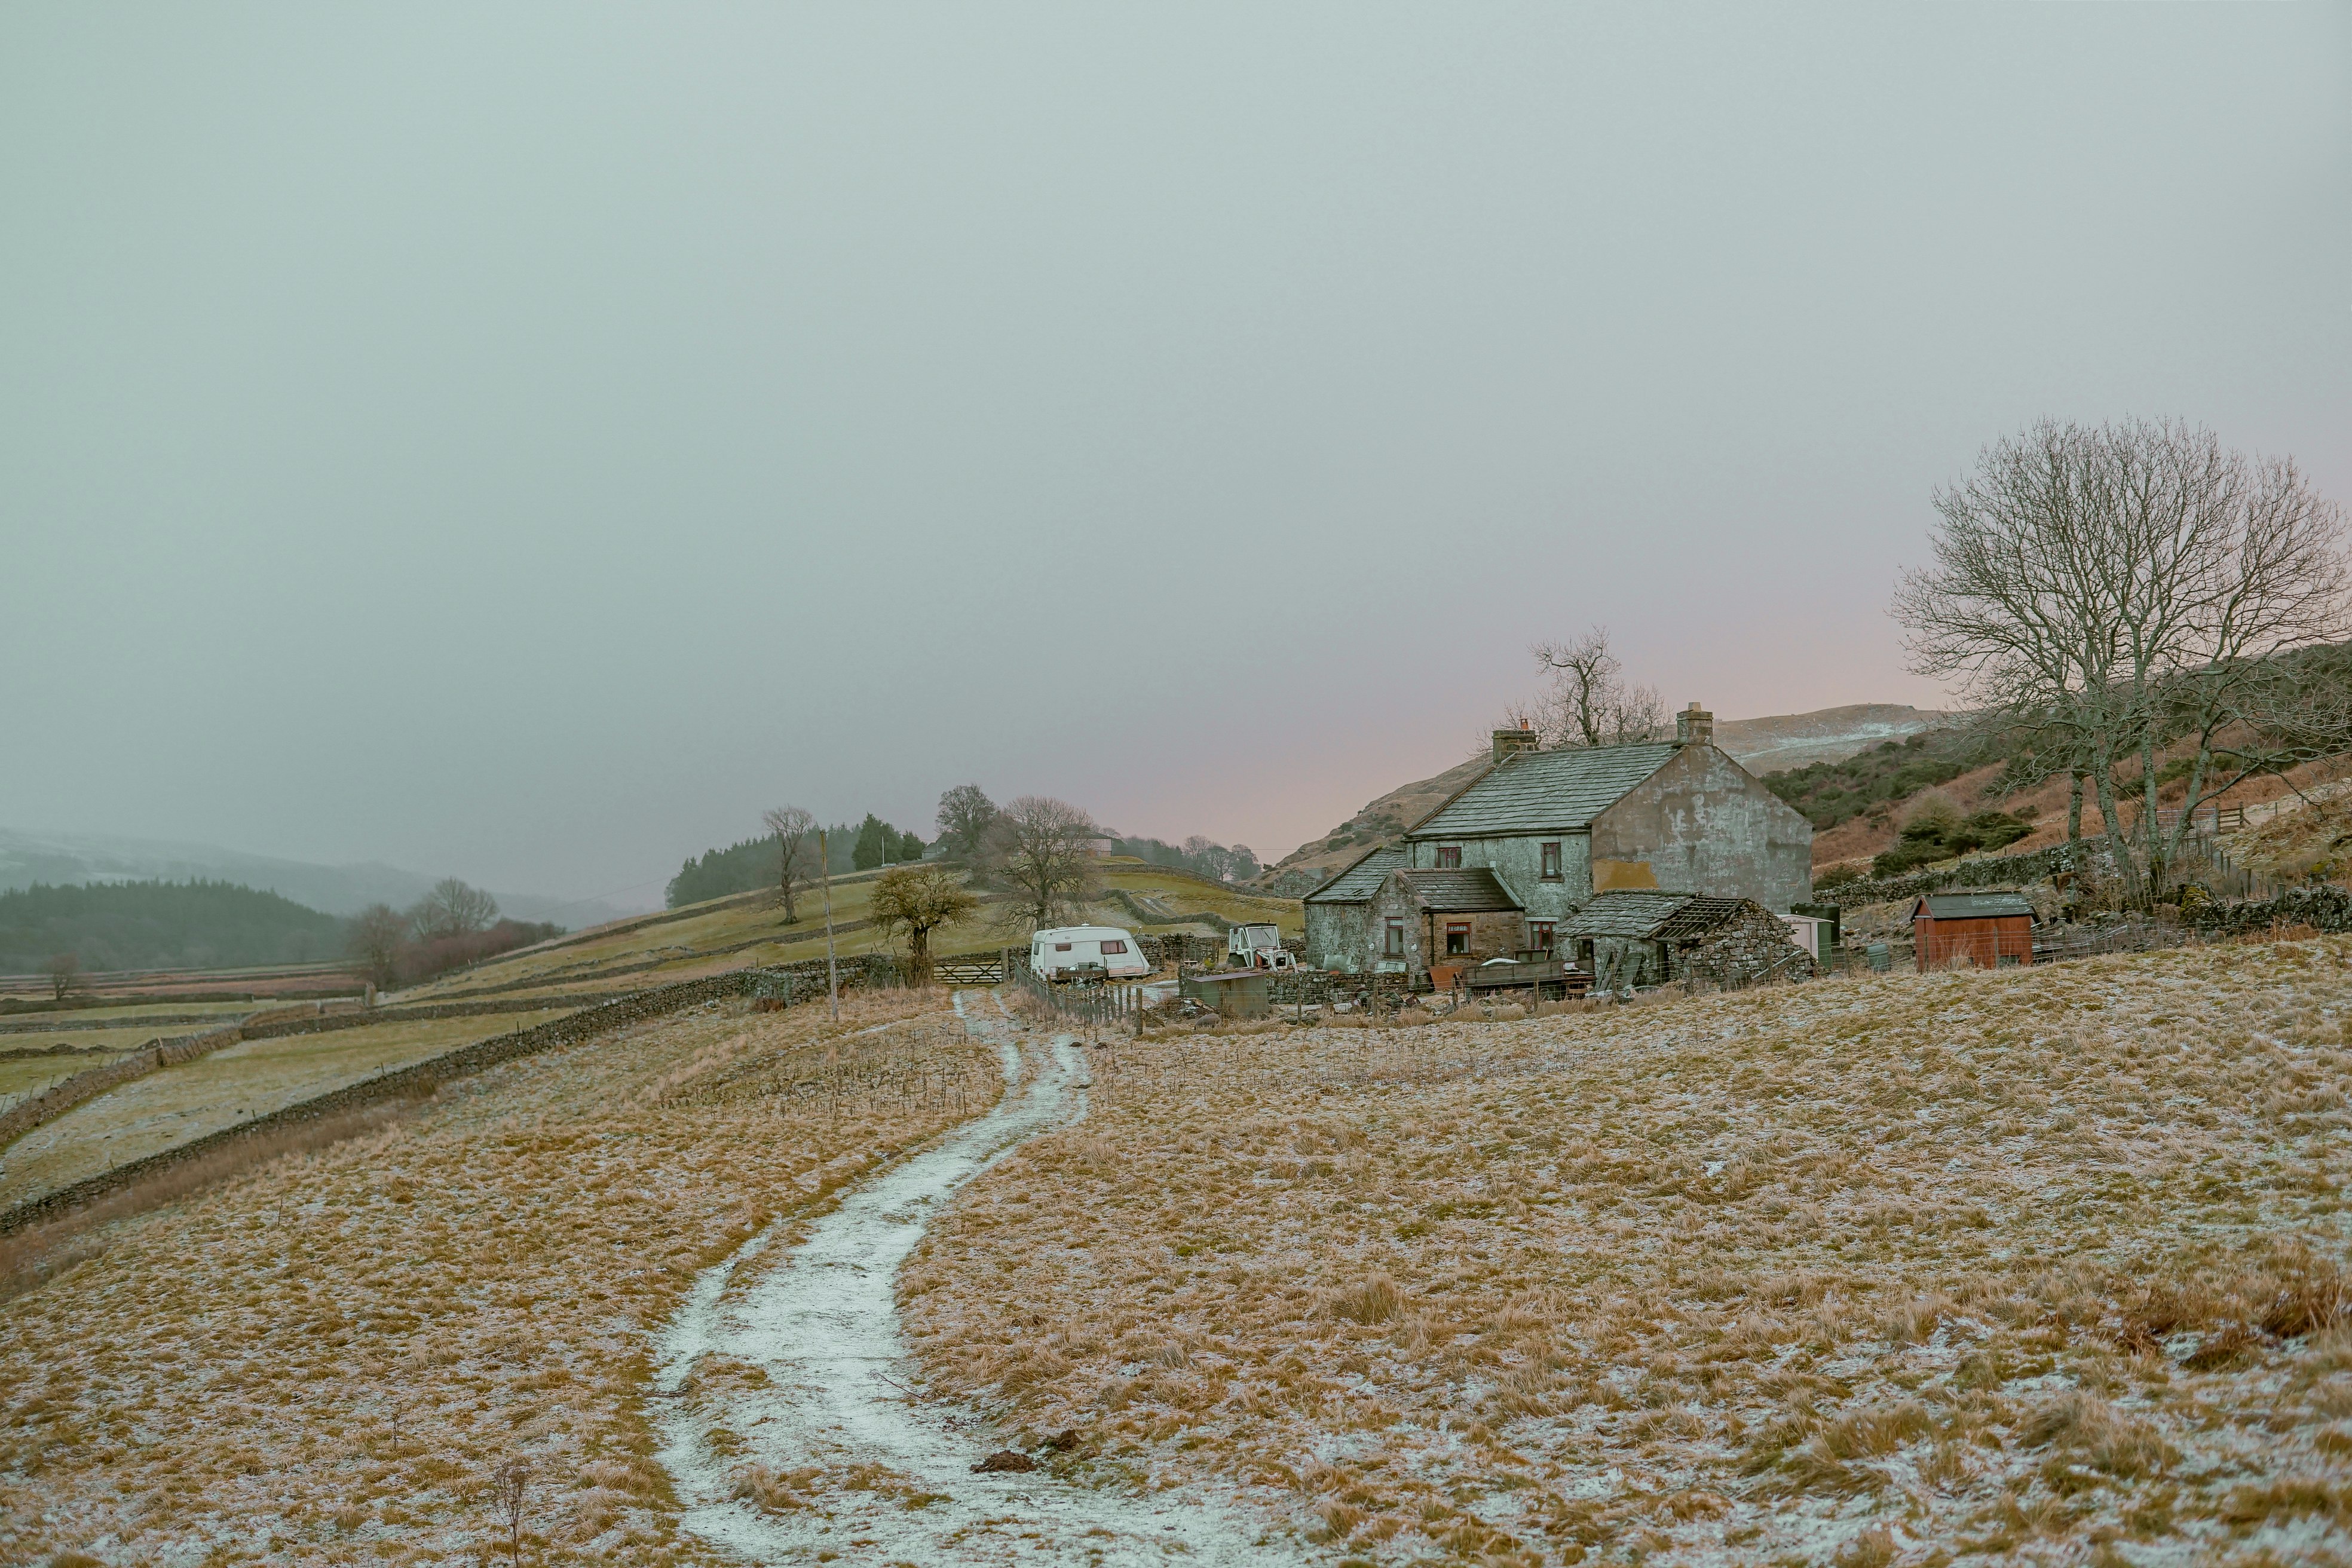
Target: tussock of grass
{"x": 2043, "y": 1261}
{"x": 336, "y": 1352}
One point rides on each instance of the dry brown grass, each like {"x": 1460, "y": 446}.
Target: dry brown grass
{"x": 327, "y": 1360}
{"x": 2042, "y": 1263}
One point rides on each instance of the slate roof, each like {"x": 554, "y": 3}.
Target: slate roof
{"x": 1357, "y": 881}
{"x": 1973, "y": 906}
{"x": 1529, "y": 792}
{"x": 1627, "y": 913}
{"x": 1651, "y": 917}
{"x": 1472, "y": 890}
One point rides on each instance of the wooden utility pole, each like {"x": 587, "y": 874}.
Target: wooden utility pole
{"x": 831, "y": 980}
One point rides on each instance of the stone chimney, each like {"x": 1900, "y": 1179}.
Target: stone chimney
{"x": 1693, "y": 726}
{"x": 1523, "y": 739}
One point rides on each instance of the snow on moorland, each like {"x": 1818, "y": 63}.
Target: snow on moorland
{"x": 2040, "y": 1264}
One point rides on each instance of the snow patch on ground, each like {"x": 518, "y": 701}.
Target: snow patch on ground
{"x": 805, "y": 1375}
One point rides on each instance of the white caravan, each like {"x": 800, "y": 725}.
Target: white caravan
{"x": 1067, "y": 952}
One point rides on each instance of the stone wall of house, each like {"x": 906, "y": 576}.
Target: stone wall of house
{"x": 1492, "y": 933}
{"x": 1339, "y": 936}
{"x": 1752, "y": 945}
{"x": 1517, "y": 864}
{"x": 1626, "y": 963}
{"x": 1704, "y": 824}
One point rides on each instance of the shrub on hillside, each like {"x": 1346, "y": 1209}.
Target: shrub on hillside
{"x": 1937, "y": 832}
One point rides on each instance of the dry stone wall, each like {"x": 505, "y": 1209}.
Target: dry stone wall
{"x": 415, "y": 1082}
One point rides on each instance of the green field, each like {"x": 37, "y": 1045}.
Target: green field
{"x": 728, "y": 933}
{"x": 30, "y": 1074}
{"x": 128, "y": 1013}
{"x": 152, "y": 1113}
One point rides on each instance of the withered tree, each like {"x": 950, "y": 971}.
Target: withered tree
{"x": 378, "y": 933}
{"x": 919, "y": 899}
{"x": 65, "y": 976}
{"x": 795, "y": 852}
{"x": 1043, "y": 849}
{"x": 2140, "y": 588}
{"x": 1589, "y": 701}
{"x": 452, "y": 908}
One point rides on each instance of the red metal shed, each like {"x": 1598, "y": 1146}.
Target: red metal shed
{"x": 1990, "y": 930}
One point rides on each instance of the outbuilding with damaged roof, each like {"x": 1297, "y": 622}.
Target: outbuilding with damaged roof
{"x": 1635, "y": 939}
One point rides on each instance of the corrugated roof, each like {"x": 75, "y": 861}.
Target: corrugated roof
{"x": 1973, "y": 906}
{"x": 1474, "y": 891}
{"x": 1357, "y": 881}
{"x": 1529, "y": 792}
{"x": 1625, "y": 913}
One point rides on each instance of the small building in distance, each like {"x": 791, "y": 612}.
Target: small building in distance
{"x": 1339, "y": 932}
{"x": 1456, "y": 919}
{"x": 1630, "y": 940}
{"x": 1547, "y": 831}
{"x": 1988, "y": 930}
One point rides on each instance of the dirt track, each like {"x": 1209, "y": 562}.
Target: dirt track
{"x": 788, "y": 1412}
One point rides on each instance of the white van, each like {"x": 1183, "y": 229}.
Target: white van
{"x": 1107, "y": 951}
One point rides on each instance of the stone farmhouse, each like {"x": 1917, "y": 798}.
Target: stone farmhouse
{"x": 1501, "y": 867}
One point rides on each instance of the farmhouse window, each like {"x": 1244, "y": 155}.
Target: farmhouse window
{"x": 1449, "y": 856}
{"x": 1457, "y": 938}
{"x": 1551, "y": 862}
{"x": 1539, "y": 936}
{"x": 1114, "y": 947}
{"x": 1396, "y": 936}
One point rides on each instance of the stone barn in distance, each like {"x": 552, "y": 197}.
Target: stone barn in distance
{"x": 1547, "y": 830}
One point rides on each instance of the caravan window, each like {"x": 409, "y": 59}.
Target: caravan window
{"x": 1061, "y": 947}
{"x": 1114, "y": 947}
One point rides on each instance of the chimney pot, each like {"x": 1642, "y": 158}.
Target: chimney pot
{"x": 1521, "y": 738}
{"x": 1695, "y": 726}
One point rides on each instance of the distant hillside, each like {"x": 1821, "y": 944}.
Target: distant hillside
{"x": 1380, "y": 821}
{"x": 160, "y": 925}
{"x": 1832, "y": 735}
{"x": 1763, "y": 745}
{"x": 58, "y": 858}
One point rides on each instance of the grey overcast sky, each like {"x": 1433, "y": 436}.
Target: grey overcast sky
{"x": 527, "y": 440}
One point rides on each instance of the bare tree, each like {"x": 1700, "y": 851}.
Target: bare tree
{"x": 966, "y": 815}
{"x": 795, "y": 856}
{"x": 1045, "y": 850}
{"x": 2129, "y": 584}
{"x": 378, "y": 932}
{"x": 452, "y": 908}
{"x": 919, "y": 899}
{"x": 1588, "y": 702}
{"x": 65, "y": 975}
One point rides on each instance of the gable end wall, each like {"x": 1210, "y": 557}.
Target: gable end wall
{"x": 1705, "y": 825}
